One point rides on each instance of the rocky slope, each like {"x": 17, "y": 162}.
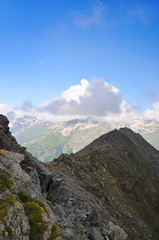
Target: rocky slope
{"x": 37, "y": 203}
{"x": 47, "y": 140}
{"x": 25, "y": 213}
{"x": 107, "y": 191}
{"x": 123, "y": 177}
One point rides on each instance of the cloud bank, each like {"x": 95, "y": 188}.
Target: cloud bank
{"x": 152, "y": 114}
{"x": 95, "y": 99}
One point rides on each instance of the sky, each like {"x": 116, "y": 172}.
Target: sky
{"x": 63, "y": 59}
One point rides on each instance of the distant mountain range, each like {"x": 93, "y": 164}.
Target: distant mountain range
{"x": 47, "y": 140}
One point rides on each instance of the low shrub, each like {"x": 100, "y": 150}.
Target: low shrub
{"x": 55, "y": 233}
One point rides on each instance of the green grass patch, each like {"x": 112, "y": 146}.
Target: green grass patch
{"x": 3, "y": 209}
{"x": 35, "y": 216}
{"x": 5, "y": 204}
{"x": 156, "y": 183}
{"x": 5, "y": 181}
{"x": 34, "y": 209}
{"x": 8, "y": 230}
{"x": 11, "y": 199}
{"x": 24, "y": 196}
{"x": 41, "y": 204}
{"x": 55, "y": 233}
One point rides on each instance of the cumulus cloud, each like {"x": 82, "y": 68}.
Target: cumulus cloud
{"x": 95, "y": 99}
{"x": 75, "y": 92}
{"x": 27, "y": 106}
{"x": 152, "y": 114}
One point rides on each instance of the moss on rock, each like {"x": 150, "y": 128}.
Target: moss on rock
{"x": 5, "y": 181}
{"x": 24, "y": 196}
{"x": 3, "y": 209}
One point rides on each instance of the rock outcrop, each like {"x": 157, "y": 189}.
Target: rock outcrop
{"x": 25, "y": 213}
{"x": 7, "y": 141}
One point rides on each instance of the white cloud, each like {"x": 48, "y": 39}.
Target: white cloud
{"x": 152, "y": 114}
{"x": 27, "y": 108}
{"x": 4, "y": 109}
{"x": 77, "y": 91}
{"x": 96, "y": 99}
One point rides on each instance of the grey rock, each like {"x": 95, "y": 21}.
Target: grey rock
{"x": 16, "y": 220}
{"x": 4, "y": 122}
{"x": 34, "y": 175}
{"x": 117, "y": 231}
{"x": 7, "y": 141}
{"x": 95, "y": 234}
{"x": 70, "y": 234}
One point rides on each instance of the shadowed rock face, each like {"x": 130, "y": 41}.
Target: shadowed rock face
{"x": 7, "y": 141}
{"x": 107, "y": 191}
{"x": 146, "y": 149}
{"x": 4, "y": 122}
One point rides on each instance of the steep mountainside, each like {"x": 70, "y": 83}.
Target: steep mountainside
{"x": 143, "y": 146}
{"x": 107, "y": 191}
{"x": 116, "y": 170}
{"x": 47, "y": 140}
{"x": 37, "y": 203}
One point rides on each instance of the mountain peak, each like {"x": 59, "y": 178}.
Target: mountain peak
{"x": 147, "y": 150}
{"x": 122, "y": 138}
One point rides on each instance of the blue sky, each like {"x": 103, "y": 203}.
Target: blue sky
{"x": 48, "y": 46}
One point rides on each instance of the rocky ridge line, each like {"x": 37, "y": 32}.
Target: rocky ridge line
{"x": 57, "y": 197}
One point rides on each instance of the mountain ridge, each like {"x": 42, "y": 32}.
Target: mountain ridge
{"x": 47, "y": 140}
{"x": 114, "y": 158}
{"x": 107, "y": 191}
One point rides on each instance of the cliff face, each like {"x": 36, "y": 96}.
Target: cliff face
{"x": 7, "y": 141}
{"x": 24, "y": 211}
{"x": 108, "y": 191}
